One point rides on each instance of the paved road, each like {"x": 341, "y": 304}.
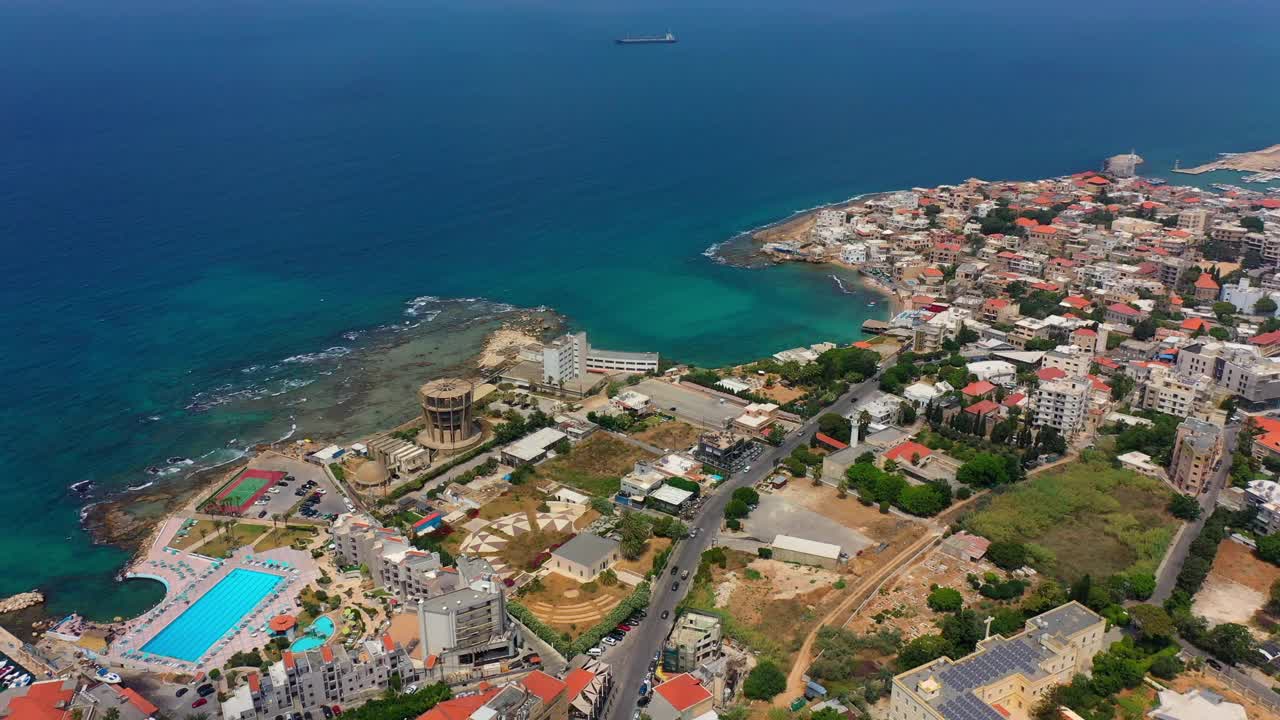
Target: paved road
{"x": 630, "y": 659}
{"x": 1178, "y": 554}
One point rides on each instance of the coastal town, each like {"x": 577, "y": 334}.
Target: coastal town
{"x": 1043, "y": 487}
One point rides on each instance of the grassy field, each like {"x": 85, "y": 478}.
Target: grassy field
{"x": 595, "y": 466}
{"x": 1083, "y": 518}
{"x": 284, "y": 537}
{"x": 201, "y": 530}
{"x": 238, "y": 535}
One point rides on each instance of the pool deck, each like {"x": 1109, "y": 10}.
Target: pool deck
{"x": 187, "y": 577}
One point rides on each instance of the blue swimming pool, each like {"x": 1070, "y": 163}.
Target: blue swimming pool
{"x": 216, "y": 612}
{"x": 320, "y": 630}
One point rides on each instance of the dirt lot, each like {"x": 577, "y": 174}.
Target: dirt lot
{"x": 1237, "y": 587}
{"x": 849, "y": 512}
{"x": 520, "y": 498}
{"x": 595, "y": 466}
{"x": 781, "y": 395}
{"x": 1237, "y": 562}
{"x": 672, "y": 434}
{"x": 771, "y": 605}
{"x": 644, "y": 563}
{"x": 903, "y": 604}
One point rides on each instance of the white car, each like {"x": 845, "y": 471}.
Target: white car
{"x": 595, "y": 651}
{"x": 609, "y": 641}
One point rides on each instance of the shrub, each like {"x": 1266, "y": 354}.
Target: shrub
{"x": 764, "y": 681}
{"x": 945, "y": 599}
{"x": 764, "y": 552}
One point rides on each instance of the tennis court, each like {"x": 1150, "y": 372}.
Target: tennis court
{"x": 247, "y": 487}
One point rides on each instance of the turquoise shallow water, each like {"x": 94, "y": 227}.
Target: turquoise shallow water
{"x": 189, "y": 635}
{"x": 206, "y": 206}
{"x": 316, "y": 634}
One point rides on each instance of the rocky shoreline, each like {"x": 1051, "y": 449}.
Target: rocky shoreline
{"x": 21, "y": 601}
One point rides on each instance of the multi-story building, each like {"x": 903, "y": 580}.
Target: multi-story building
{"x": 1197, "y": 448}
{"x": 1166, "y": 391}
{"x": 1071, "y": 359}
{"x": 1241, "y": 370}
{"x": 537, "y": 696}
{"x": 641, "y": 481}
{"x": 999, "y": 310}
{"x": 467, "y": 627}
{"x": 329, "y": 675}
{"x": 1206, "y": 288}
{"x": 1194, "y": 221}
{"x": 1003, "y": 677}
{"x": 393, "y": 562}
{"x": 570, "y": 356}
{"x": 1062, "y": 404}
{"x": 694, "y": 641}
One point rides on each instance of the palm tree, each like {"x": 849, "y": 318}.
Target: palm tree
{"x": 275, "y": 518}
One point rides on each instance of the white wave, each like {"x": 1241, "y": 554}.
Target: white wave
{"x": 841, "y": 285}
{"x": 143, "y": 486}
{"x": 251, "y": 369}
{"x": 416, "y": 305}
{"x": 332, "y": 353}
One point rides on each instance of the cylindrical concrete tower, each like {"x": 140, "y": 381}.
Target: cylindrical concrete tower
{"x": 446, "y": 407}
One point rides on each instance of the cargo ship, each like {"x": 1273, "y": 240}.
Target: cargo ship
{"x": 647, "y": 39}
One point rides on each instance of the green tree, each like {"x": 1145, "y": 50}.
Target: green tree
{"x": 736, "y": 510}
{"x": 1252, "y": 223}
{"x": 1153, "y": 623}
{"x": 634, "y": 530}
{"x": 836, "y": 426}
{"x": 1007, "y": 555}
{"x": 747, "y": 495}
{"x": 984, "y": 470}
{"x": 922, "y": 650}
{"x": 1264, "y": 306}
{"x": 1230, "y": 642}
{"x": 764, "y": 681}
{"x": 1184, "y": 507}
{"x": 1269, "y": 548}
{"x": 111, "y": 714}
{"x": 945, "y": 599}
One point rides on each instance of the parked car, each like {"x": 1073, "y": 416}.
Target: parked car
{"x": 675, "y": 586}
{"x": 200, "y": 702}
{"x": 675, "y": 570}
{"x": 337, "y": 709}
{"x": 607, "y": 640}
{"x": 666, "y": 614}
{"x": 324, "y": 710}
{"x": 181, "y": 691}
{"x": 684, "y": 575}
{"x": 595, "y": 651}
{"x": 206, "y": 690}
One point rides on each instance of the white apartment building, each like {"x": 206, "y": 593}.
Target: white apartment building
{"x": 1071, "y": 359}
{"x": 570, "y": 356}
{"x": 1171, "y": 393}
{"x": 1238, "y": 369}
{"x": 1062, "y": 404}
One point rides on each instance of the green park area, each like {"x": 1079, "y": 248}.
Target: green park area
{"x": 1084, "y": 518}
{"x": 596, "y": 466}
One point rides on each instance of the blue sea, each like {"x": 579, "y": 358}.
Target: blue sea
{"x": 208, "y": 208}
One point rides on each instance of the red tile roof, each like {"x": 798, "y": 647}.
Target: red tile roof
{"x": 387, "y": 643}
{"x": 933, "y": 272}
{"x": 996, "y": 303}
{"x": 1025, "y": 222}
{"x": 1206, "y": 282}
{"x": 544, "y": 686}
{"x": 1076, "y": 301}
{"x": 255, "y": 682}
{"x": 287, "y": 658}
{"x": 142, "y": 704}
{"x": 1098, "y": 180}
{"x": 830, "y": 442}
{"x": 41, "y": 701}
{"x": 982, "y": 407}
{"x": 982, "y": 387}
{"x": 459, "y": 708}
{"x": 1085, "y": 332}
{"x": 1270, "y": 338}
{"x": 1123, "y": 309}
{"x": 577, "y": 681}
{"x": 1050, "y": 373}
{"x": 326, "y": 653}
{"x": 1013, "y": 400}
{"x": 907, "y": 450}
{"x": 1269, "y": 436}
{"x": 683, "y": 692}
{"x": 1194, "y": 324}
{"x": 1045, "y": 229}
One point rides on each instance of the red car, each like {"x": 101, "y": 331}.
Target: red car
{"x": 624, "y": 627}
{"x": 337, "y": 709}
{"x": 199, "y": 702}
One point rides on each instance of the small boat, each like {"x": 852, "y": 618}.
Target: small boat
{"x": 106, "y": 676}
{"x": 871, "y": 304}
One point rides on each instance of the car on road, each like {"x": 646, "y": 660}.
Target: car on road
{"x": 324, "y": 709}
{"x": 746, "y": 469}
{"x": 674, "y": 570}
{"x": 200, "y": 702}
{"x": 675, "y": 586}
{"x": 684, "y": 575}
{"x": 181, "y": 692}
{"x": 1213, "y": 664}
{"x": 666, "y": 614}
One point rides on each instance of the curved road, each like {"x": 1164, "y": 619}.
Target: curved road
{"x": 630, "y": 659}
